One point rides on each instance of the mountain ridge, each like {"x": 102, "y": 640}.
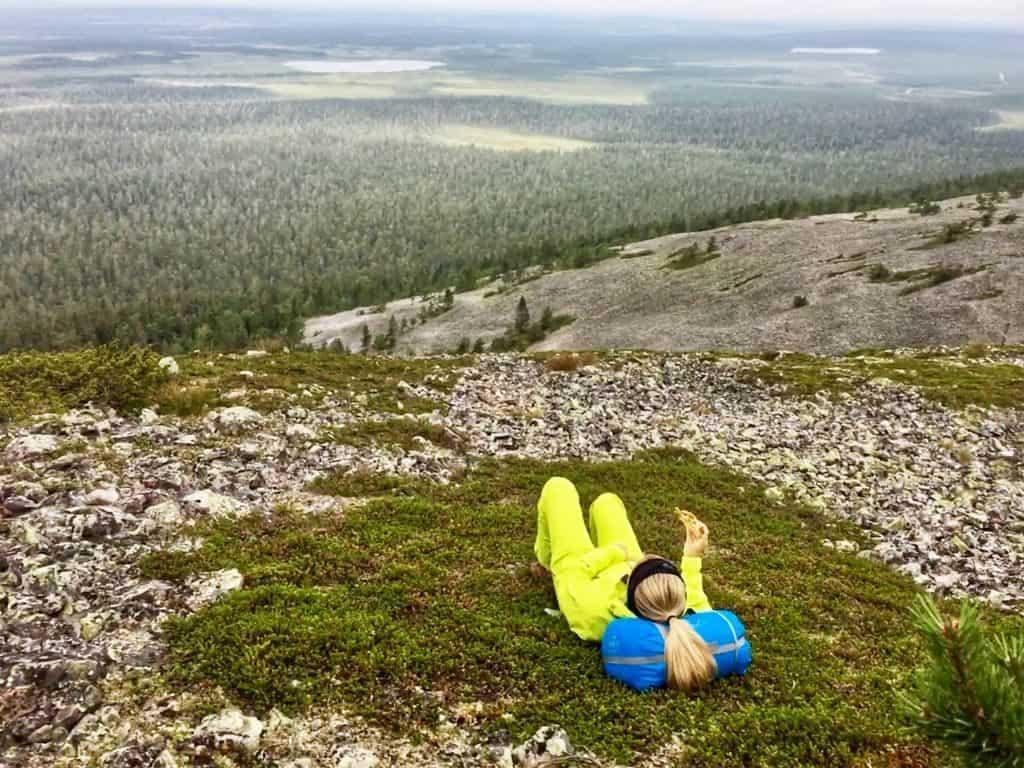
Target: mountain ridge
{"x": 826, "y": 284}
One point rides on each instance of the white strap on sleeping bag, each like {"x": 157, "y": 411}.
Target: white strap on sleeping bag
{"x": 736, "y": 643}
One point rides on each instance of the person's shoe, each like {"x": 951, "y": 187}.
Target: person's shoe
{"x": 538, "y": 571}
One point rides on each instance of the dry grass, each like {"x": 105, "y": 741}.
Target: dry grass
{"x": 565, "y": 362}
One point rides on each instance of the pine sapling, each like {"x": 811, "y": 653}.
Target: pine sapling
{"x": 970, "y": 697}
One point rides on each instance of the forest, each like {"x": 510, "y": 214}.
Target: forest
{"x": 139, "y": 209}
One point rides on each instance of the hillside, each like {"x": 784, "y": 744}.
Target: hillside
{"x": 317, "y": 559}
{"x": 882, "y": 281}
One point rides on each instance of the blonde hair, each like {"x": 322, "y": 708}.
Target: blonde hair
{"x": 662, "y": 598}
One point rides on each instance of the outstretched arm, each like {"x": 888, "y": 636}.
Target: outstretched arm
{"x": 690, "y": 567}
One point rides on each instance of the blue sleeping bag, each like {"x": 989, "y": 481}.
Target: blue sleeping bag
{"x": 633, "y": 650}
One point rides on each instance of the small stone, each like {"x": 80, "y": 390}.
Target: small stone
{"x": 235, "y": 419}
{"x": 230, "y": 730}
{"x": 300, "y": 433}
{"x": 355, "y": 757}
{"x": 102, "y": 497}
{"x": 45, "y": 734}
{"x": 68, "y": 717}
{"x": 209, "y": 588}
{"x": 277, "y": 722}
{"x": 169, "y": 365}
{"x": 844, "y": 545}
{"x": 214, "y": 504}
{"x": 17, "y": 505}
{"x": 166, "y": 514}
{"x": 149, "y": 417}
{"x": 30, "y": 447}
{"x": 774, "y": 495}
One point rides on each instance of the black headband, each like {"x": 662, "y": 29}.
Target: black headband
{"x": 644, "y": 570}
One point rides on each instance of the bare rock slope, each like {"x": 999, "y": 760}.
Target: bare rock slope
{"x": 887, "y": 280}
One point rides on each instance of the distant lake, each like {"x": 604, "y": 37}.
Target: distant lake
{"x": 364, "y": 66}
{"x": 839, "y": 51}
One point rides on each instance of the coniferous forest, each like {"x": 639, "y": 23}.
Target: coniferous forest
{"x": 209, "y": 200}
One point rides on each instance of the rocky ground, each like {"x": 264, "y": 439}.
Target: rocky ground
{"x": 743, "y": 299}
{"x": 86, "y": 494}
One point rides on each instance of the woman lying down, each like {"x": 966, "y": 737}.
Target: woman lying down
{"x": 655, "y": 624}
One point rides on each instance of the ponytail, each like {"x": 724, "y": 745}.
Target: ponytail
{"x": 688, "y": 659}
{"x": 661, "y": 597}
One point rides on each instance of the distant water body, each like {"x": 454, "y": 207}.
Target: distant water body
{"x": 364, "y": 66}
{"x": 839, "y": 51}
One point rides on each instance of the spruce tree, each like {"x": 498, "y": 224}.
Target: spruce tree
{"x": 367, "y": 340}
{"x": 392, "y": 338}
{"x": 971, "y": 695}
{"x": 522, "y": 315}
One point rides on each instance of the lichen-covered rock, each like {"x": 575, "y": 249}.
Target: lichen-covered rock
{"x": 30, "y": 447}
{"x": 546, "y": 745}
{"x": 354, "y": 757}
{"x": 235, "y": 419}
{"x": 214, "y": 505}
{"x": 169, "y": 365}
{"x": 230, "y": 731}
{"x": 211, "y": 587}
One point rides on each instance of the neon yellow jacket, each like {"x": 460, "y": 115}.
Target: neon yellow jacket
{"x": 590, "y": 581}
{"x": 594, "y": 593}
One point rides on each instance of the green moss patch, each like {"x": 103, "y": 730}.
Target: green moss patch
{"x": 280, "y": 380}
{"x": 412, "y": 605}
{"x": 114, "y": 377}
{"x": 402, "y": 432}
{"x": 956, "y": 380}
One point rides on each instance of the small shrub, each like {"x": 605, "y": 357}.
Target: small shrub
{"x": 879, "y": 273}
{"x": 800, "y": 302}
{"x": 112, "y": 377}
{"x": 183, "y": 400}
{"x": 970, "y": 697}
{"x": 570, "y": 361}
{"x": 1008, "y": 218}
{"x": 925, "y": 208}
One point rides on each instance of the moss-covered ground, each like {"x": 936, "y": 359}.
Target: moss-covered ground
{"x": 980, "y": 376}
{"x": 305, "y": 378}
{"x": 421, "y": 600}
{"x": 130, "y": 379}
{"x": 35, "y": 382}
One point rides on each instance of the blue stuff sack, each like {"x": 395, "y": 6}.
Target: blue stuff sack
{"x": 633, "y": 650}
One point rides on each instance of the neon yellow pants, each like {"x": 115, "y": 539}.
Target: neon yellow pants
{"x": 589, "y": 579}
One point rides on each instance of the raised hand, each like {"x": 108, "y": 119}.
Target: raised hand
{"x": 696, "y": 534}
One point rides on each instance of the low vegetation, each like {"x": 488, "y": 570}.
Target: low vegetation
{"x": 924, "y": 207}
{"x": 951, "y": 233}
{"x": 404, "y": 432}
{"x": 957, "y": 380}
{"x": 693, "y": 256}
{"x": 421, "y": 602}
{"x": 971, "y": 696}
{"x": 566, "y": 362}
{"x": 523, "y": 333}
{"x": 273, "y": 381}
{"x": 923, "y": 278}
{"x": 108, "y": 377}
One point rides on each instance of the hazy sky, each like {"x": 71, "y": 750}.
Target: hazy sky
{"x": 860, "y": 12}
